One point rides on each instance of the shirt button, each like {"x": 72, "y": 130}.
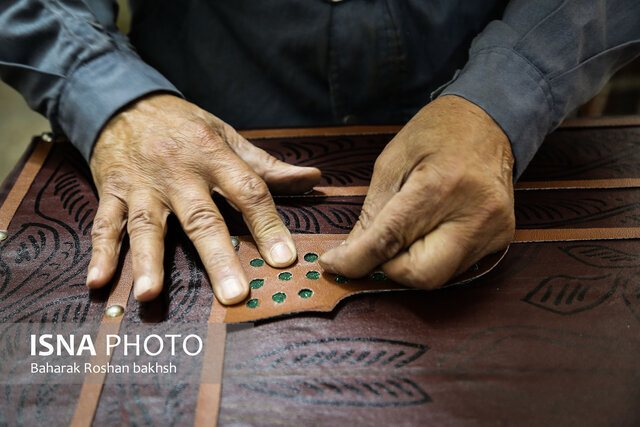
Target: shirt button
{"x": 350, "y": 119}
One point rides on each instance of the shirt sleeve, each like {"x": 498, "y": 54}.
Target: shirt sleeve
{"x": 529, "y": 70}
{"x": 70, "y": 67}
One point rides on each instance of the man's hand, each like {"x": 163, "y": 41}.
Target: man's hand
{"x": 441, "y": 197}
{"x": 164, "y": 155}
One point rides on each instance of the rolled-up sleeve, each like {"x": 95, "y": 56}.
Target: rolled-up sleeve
{"x": 529, "y": 70}
{"x": 70, "y": 67}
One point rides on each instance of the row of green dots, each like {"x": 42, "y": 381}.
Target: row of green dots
{"x": 280, "y": 297}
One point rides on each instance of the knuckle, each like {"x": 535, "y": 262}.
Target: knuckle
{"x": 201, "y": 218}
{"x": 104, "y": 250}
{"x": 389, "y": 243}
{"x": 253, "y": 191}
{"x": 142, "y": 256}
{"x": 366, "y": 217}
{"x": 104, "y": 228}
{"x": 142, "y": 221}
{"x": 496, "y": 208}
{"x": 218, "y": 259}
{"x": 266, "y": 226}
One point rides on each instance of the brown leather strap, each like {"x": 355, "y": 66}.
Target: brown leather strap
{"x": 578, "y": 184}
{"x": 592, "y": 184}
{"x": 333, "y": 191}
{"x": 569, "y": 234}
{"x": 93, "y": 382}
{"x": 23, "y": 183}
{"x": 208, "y": 406}
{"x": 580, "y": 122}
{"x": 325, "y": 131}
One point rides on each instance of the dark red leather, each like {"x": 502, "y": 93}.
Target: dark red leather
{"x": 551, "y": 336}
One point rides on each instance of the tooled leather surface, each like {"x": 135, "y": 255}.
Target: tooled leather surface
{"x": 550, "y": 335}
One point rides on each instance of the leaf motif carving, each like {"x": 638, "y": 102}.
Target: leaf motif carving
{"x": 602, "y": 256}
{"x": 564, "y": 294}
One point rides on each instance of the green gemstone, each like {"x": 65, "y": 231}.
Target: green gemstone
{"x": 310, "y": 257}
{"x": 305, "y": 293}
{"x": 279, "y": 297}
{"x": 252, "y": 303}
{"x": 256, "y": 283}
{"x": 341, "y": 279}
{"x": 313, "y": 275}
{"x": 285, "y": 276}
{"x": 256, "y": 262}
{"x": 378, "y": 275}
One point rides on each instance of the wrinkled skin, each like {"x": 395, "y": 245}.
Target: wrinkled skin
{"x": 441, "y": 197}
{"x": 163, "y": 155}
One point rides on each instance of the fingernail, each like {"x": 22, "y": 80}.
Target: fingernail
{"x": 92, "y": 275}
{"x": 231, "y": 288}
{"x": 281, "y": 253}
{"x": 142, "y": 286}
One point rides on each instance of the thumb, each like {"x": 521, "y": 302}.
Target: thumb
{"x": 281, "y": 177}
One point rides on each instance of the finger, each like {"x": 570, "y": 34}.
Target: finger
{"x": 382, "y": 188}
{"x": 205, "y": 227}
{"x": 409, "y": 215}
{"x": 430, "y": 261}
{"x": 386, "y": 180}
{"x": 249, "y": 193}
{"x": 147, "y": 228}
{"x": 281, "y": 177}
{"x": 106, "y": 235}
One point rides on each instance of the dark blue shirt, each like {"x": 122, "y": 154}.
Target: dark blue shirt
{"x": 282, "y": 63}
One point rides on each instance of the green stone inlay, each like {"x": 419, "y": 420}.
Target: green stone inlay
{"x": 378, "y": 275}
{"x": 285, "y": 276}
{"x": 256, "y": 262}
{"x": 305, "y": 293}
{"x": 252, "y": 303}
{"x": 313, "y": 275}
{"x": 256, "y": 283}
{"x": 279, "y": 297}
{"x": 341, "y": 279}
{"x": 311, "y": 257}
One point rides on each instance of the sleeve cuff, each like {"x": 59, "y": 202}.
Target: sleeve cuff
{"x": 101, "y": 87}
{"x": 514, "y": 93}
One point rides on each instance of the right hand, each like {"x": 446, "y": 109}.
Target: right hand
{"x": 163, "y": 154}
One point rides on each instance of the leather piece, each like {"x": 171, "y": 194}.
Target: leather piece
{"x": 605, "y": 121}
{"x": 550, "y": 336}
{"x": 23, "y": 183}
{"x": 573, "y": 234}
{"x": 210, "y": 391}
{"x": 572, "y": 154}
{"x": 570, "y": 208}
{"x": 584, "y": 184}
{"x": 93, "y": 382}
{"x": 577, "y": 208}
{"x": 586, "y": 154}
{"x": 323, "y": 131}
{"x": 306, "y": 288}
{"x": 526, "y": 290}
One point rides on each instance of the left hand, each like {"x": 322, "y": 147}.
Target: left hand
{"x": 441, "y": 198}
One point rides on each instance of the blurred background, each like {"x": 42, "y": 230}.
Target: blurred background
{"x": 18, "y": 124}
